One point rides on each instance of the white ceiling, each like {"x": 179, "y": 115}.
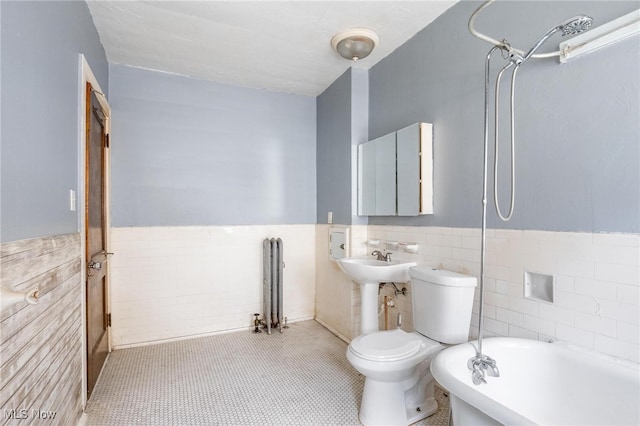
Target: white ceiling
{"x": 276, "y": 45}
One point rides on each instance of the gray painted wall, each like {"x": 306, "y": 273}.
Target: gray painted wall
{"x": 40, "y": 43}
{"x": 577, "y": 124}
{"x": 342, "y": 114}
{"x": 334, "y": 151}
{"x": 359, "y": 133}
{"x": 194, "y": 152}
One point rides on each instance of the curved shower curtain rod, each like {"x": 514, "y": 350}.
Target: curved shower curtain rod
{"x": 501, "y": 44}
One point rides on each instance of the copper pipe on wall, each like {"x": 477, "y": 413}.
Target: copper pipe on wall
{"x": 386, "y": 314}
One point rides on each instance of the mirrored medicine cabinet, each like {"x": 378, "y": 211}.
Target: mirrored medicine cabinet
{"x": 395, "y": 173}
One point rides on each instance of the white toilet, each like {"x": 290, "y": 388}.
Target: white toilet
{"x": 398, "y": 387}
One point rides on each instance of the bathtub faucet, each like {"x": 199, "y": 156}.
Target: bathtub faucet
{"x": 480, "y": 365}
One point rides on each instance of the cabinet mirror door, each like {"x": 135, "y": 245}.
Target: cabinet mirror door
{"x": 408, "y": 149}
{"x": 377, "y": 177}
{"x": 395, "y": 173}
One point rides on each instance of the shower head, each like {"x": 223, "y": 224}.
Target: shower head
{"x": 571, "y": 26}
{"x": 576, "y": 25}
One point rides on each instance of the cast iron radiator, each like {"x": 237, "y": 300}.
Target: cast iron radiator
{"x": 272, "y": 283}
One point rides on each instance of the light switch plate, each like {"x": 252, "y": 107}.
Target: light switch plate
{"x": 72, "y": 200}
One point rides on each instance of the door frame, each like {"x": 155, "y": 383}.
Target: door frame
{"x": 87, "y": 76}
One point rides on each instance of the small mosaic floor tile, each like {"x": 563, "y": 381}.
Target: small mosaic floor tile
{"x": 299, "y": 377}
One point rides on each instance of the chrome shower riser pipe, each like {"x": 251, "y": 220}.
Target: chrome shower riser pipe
{"x": 475, "y": 364}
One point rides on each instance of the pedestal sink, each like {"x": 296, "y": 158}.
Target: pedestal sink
{"x": 369, "y": 273}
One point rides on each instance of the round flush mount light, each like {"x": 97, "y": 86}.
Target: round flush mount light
{"x": 354, "y": 44}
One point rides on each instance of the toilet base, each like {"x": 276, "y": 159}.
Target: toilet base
{"x": 397, "y": 403}
{"x": 423, "y": 411}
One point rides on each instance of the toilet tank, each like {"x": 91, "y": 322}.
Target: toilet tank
{"x": 442, "y": 302}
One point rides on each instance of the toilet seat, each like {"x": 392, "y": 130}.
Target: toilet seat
{"x": 392, "y": 345}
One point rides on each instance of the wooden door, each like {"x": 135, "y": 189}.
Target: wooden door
{"x": 95, "y": 226}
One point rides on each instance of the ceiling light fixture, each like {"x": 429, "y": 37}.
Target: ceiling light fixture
{"x": 354, "y": 44}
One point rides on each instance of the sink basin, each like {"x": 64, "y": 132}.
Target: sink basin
{"x": 367, "y": 270}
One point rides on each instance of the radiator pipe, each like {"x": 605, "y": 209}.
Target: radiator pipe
{"x": 257, "y": 323}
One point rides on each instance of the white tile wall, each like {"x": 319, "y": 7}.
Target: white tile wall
{"x": 337, "y": 297}
{"x": 174, "y": 282}
{"x": 597, "y": 282}
{"x": 180, "y": 281}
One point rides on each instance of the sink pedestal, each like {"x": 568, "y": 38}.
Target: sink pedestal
{"x": 368, "y": 308}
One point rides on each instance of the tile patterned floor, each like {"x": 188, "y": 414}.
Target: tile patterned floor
{"x": 300, "y": 377}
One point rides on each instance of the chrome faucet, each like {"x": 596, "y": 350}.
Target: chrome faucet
{"x": 381, "y": 256}
{"x": 481, "y": 365}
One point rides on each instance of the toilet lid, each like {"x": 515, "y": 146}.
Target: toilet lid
{"x": 386, "y": 345}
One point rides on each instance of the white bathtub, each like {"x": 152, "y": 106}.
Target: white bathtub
{"x": 540, "y": 383}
